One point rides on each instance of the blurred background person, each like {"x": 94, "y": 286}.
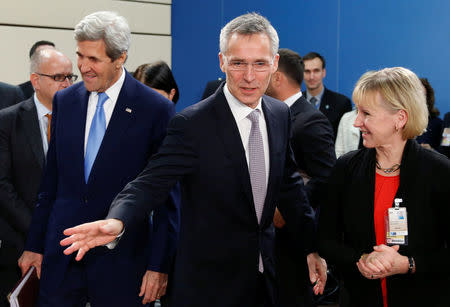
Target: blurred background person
{"x": 431, "y": 138}
{"x": 159, "y": 77}
{"x": 392, "y": 111}
{"x": 348, "y": 136}
{"x": 445, "y": 142}
{"x": 9, "y": 95}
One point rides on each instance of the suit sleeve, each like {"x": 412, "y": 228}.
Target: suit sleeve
{"x": 175, "y": 159}
{"x": 47, "y": 191}
{"x": 13, "y": 208}
{"x": 313, "y": 148}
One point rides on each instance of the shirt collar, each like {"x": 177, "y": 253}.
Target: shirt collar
{"x": 40, "y": 108}
{"x": 290, "y": 101}
{"x": 114, "y": 90}
{"x": 239, "y": 110}
{"x": 318, "y": 96}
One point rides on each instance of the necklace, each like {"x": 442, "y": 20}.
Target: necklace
{"x": 389, "y": 170}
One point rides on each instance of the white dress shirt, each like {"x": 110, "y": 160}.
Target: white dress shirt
{"x": 42, "y": 111}
{"x": 108, "y": 107}
{"x": 240, "y": 112}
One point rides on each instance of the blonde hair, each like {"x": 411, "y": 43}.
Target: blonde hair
{"x": 400, "y": 89}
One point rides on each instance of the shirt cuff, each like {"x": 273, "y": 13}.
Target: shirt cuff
{"x": 113, "y": 244}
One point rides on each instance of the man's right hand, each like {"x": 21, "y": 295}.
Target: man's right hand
{"x": 86, "y": 236}
{"x": 29, "y": 259}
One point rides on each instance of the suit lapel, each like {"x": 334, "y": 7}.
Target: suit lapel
{"x": 228, "y": 132}
{"x": 30, "y": 124}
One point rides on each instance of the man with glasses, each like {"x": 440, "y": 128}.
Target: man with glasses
{"x": 104, "y": 131}
{"x": 231, "y": 154}
{"x": 24, "y": 136}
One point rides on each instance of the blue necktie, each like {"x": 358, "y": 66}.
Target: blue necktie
{"x": 96, "y": 133}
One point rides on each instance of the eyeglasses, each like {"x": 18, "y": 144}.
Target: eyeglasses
{"x": 238, "y": 65}
{"x": 61, "y": 77}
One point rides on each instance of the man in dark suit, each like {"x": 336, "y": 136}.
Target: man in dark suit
{"x": 23, "y": 145}
{"x": 9, "y": 95}
{"x": 26, "y": 87}
{"x": 313, "y": 147}
{"x": 232, "y": 155}
{"x": 332, "y": 104}
{"x": 103, "y": 130}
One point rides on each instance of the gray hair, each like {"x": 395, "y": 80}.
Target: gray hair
{"x": 248, "y": 24}
{"x": 112, "y": 28}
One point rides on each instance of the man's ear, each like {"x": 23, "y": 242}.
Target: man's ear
{"x": 221, "y": 61}
{"x": 34, "y": 78}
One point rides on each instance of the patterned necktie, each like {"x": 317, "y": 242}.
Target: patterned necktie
{"x": 313, "y": 101}
{"x": 257, "y": 168}
{"x": 49, "y": 116}
{"x": 96, "y": 133}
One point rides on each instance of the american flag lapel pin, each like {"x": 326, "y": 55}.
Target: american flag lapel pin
{"x": 128, "y": 110}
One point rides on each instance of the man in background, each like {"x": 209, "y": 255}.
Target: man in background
{"x": 330, "y": 103}
{"x": 104, "y": 130}
{"x": 27, "y": 87}
{"x": 24, "y": 137}
{"x": 313, "y": 147}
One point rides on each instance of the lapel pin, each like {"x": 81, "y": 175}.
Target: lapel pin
{"x": 327, "y": 106}
{"x": 128, "y": 110}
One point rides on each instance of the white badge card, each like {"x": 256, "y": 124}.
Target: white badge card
{"x": 397, "y": 226}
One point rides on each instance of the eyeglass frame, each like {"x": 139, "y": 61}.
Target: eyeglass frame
{"x": 70, "y": 77}
{"x": 246, "y": 65}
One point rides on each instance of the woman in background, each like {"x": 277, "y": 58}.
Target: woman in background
{"x": 406, "y": 268}
{"x": 159, "y": 77}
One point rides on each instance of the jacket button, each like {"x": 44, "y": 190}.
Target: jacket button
{"x": 85, "y": 199}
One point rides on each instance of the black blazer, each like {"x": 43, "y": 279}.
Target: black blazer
{"x": 21, "y": 162}
{"x": 220, "y": 239}
{"x": 313, "y": 147}
{"x": 334, "y": 105}
{"x": 346, "y": 226}
{"x": 9, "y": 95}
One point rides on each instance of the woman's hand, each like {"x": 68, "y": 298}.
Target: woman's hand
{"x": 382, "y": 262}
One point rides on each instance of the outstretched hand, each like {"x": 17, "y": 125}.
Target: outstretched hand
{"x": 86, "y": 236}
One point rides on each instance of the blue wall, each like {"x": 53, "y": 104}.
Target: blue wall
{"x": 353, "y": 36}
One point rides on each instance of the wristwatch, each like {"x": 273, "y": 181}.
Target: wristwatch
{"x": 411, "y": 266}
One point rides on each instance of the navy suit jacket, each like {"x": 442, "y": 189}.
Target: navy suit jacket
{"x": 138, "y": 125}
{"x": 220, "y": 238}
{"x": 313, "y": 147}
{"x": 21, "y": 163}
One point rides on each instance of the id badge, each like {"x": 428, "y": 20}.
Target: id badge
{"x": 397, "y": 225}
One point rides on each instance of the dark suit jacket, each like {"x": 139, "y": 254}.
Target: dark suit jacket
{"x": 334, "y": 105}
{"x": 137, "y": 126}
{"x": 313, "y": 147}
{"x": 21, "y": 162}
{"x": 9, "y": 95}
{"x": 220, "y": 238}
{"x": 346, "y": 226}
{"x": 27, "y": 89}
{"x": 445, "y": 124}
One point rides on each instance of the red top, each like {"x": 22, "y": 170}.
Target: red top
{"x": 385, "y": 190}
